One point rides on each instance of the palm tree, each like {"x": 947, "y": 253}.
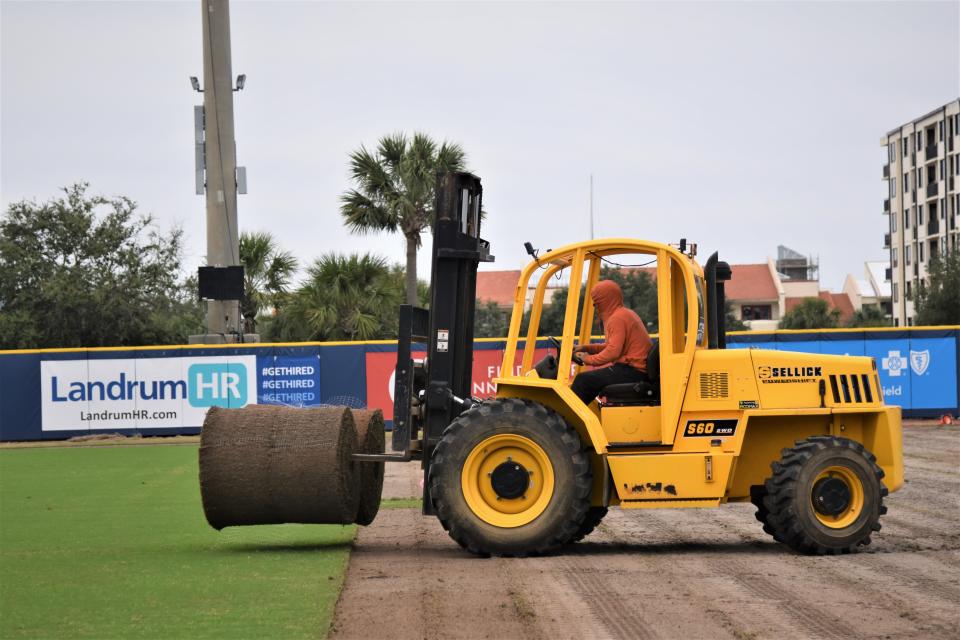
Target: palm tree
{"x": 345, "y": 298}
{"x": 395, "y": 190}
{"x": 811, "y": 313}
{"x": 267, "y": 272}
{"x": 869, "y": 317}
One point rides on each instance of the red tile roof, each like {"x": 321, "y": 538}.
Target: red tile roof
{"x": 839, "y": 301}
{"x": 751, "y": 282}
{"x": 498, "y": 286}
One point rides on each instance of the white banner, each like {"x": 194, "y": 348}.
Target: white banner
{"x": 143, "y": 393}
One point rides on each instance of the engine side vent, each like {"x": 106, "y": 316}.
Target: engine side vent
{"x": 851, "y": 388}
{"x": 714, "y": 386}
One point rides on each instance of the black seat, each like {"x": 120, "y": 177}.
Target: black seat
{"x": 645, "y": 392}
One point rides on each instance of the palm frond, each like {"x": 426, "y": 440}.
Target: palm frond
{"x": 392, "y": 149}
{"x": 368, "y": 172}
{"x": 363, "y": 215}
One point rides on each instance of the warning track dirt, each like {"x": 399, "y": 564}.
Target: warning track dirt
{"x": 671, "y": 573}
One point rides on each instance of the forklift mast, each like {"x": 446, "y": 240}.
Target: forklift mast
{"x": 429, "y": 396}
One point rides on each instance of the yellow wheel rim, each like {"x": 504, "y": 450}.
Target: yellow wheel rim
{"x": 854, "y": 507}
{"x": 476, "y": 480}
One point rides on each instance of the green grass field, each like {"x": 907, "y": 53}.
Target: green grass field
{"x": 112, "y": 543}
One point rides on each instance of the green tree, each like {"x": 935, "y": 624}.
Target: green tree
{"x": 811, "y": 313}
{"x": 732, "y": 322}
{"x": 490, "y": 320}
{"x": 86, "y": 271}
{"x": 394, "y": 191}
{"x": 938, "y": 301}
{"x": 267, "y": 272}
{"x": 352, "y": 297}
{"x": 868, "y": 317}
{"x": 639, "y": 293}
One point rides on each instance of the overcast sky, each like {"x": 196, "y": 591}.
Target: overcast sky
{"x": 739, "y": 126}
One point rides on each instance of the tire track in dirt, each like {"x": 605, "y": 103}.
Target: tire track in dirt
{"x": 814, "y": 621}
{"x": 946, "y": 588}
{"x": 858, "y": 575}
{"x": 684, "y": 573}
{"x": 593, "y": 584}
{"x": 408, "y": 581}
{"x": 936, "y": 456}
{"x": 865, "y": 570}
{"x": 915, "y": 467}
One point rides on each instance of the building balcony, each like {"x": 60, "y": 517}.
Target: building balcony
{"x": 886, "y": 241}
{"x": 930, "y": 153}
{"x": 886, "y": 206}
{"x": 933, "y": 226}
{"x": 933, "y": 190}
{"x": 886, "y": 172}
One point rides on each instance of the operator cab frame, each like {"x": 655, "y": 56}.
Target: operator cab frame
{"x": 678, "y": 278}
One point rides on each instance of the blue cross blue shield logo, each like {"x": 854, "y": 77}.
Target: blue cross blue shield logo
{"x": 919, "y": 361}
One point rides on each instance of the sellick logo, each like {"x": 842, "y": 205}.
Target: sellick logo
{"x": 780, "y": 375}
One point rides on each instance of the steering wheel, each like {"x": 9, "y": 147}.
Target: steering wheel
{"x": 556, "y": 343}
{"x": 575, "y": 357}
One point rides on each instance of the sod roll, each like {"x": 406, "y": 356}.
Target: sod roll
{"x": 265, "y": 464}
{"x": 371, "y": 439}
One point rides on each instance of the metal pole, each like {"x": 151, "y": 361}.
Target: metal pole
{"x": 223, "y": 242}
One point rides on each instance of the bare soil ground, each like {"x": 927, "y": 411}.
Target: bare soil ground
{"x": 670, "y": 573}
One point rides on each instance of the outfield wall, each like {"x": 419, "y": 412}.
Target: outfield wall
{"x": 56, "y": 394}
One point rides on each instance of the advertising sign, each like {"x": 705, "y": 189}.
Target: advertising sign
{"x": 381, "y": 367}
{"x": 142, "y": 393}
{"x": 932, "y": 363}
{"x": 894, "y": 368}
{"x": 288, "y": 380}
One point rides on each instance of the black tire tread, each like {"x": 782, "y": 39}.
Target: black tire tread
{"x": 451, "y": 520}
{"x": 775, "y": 498}
{"x": 757, "y": 493}
{"x": 590, "y": 522}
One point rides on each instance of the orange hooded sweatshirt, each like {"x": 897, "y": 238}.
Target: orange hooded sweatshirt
{"x": 627, "y": 339}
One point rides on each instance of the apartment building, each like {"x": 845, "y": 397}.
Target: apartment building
{"x": 922, "y": 203}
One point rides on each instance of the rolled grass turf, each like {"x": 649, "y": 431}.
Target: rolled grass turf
{"x": 266, "y": 464}
{"x": 372, "y": 439}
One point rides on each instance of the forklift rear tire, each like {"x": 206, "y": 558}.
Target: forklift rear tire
{"x": 510, "y": 477}
{"x": 825, "y": 496}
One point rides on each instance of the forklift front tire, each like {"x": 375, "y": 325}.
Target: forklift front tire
{"x": 510, "y": 477}
{"x": 594, "y": 516}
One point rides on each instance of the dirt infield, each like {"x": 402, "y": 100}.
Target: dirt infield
{"x": 671, "y": 573}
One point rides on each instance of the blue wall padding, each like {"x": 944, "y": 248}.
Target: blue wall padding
{"x": 918, "y": 371}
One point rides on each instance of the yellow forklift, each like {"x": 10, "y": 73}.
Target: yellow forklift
{"x": 805, "y": 437}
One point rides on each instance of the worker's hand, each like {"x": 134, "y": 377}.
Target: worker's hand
{"x": 577, "y": 359}
{"x": 580, "y": 348}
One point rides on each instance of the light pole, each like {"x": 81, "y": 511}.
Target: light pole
{"x": 217, "y": 174}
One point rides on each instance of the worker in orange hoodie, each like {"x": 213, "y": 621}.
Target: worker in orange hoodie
{"x": 623, "y": 357}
